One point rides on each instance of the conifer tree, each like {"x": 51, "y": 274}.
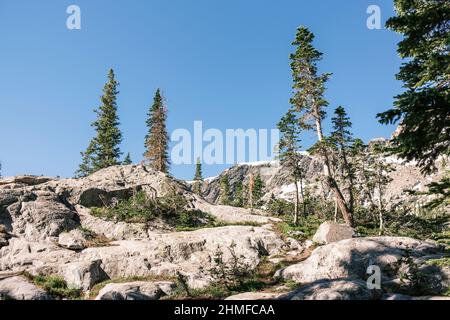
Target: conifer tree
{"x": 423, "y": 109}
{"x": 224, "y": 197}
{"x": 258, "y": 190}
{"x": 308, "y": 100}
{"x": 289, "y": 148}
{"x": 127, "y": 159}
{"x": 239, "y": 200}
{"x": 104, "y": 149}
{"x": 0, "y": 169}
{"x": 342, "y": 139}
{"x": 157, "y": 139}
{"x": 198, "y": 178}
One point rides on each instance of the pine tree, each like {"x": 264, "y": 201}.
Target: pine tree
{"x": 157, "y": 139}
{"x": 258, "y": 190}
{"x": 198, "y": 178}
{"x": 224, "y": 197}
{"x": 342, "y": 139}
{"x": 423, "y": 109}
{"x": 239, "y": 200}
{"x": 103, "y": 150}
{"x": 289, "y": 148}
{"x": 380, "y": 179}
{"x": 0, "y": 169}
{"x": 308, "y": 100}
{"x": 127, "y": 159}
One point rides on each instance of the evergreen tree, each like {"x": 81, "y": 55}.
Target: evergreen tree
{"x": 380, "y": 179}
{"x": 258, "y": 190}
{"x": 308, "y": 100}
{"x": 127, "y": 159}
{"x": 224, "y": 197}
{"x": 198, "y": 178}
{"x": 157, "y": 139}
{"x": 103, "y": 150}
{"x": 0, "y": 169}
{"x": 239, "y": 200}
{"x": 423, "y": 109}
{"x": 342, "y": 139}
{"x": 289, "y": 148}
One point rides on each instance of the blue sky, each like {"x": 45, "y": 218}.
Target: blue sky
{"x": 225, "y": 62}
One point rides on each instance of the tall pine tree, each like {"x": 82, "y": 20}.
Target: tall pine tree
{"x": 198, "y": 178}
{"x": 289, "y": 148}
{"x": 157, "y": 139}
{"x": 423, "y": 109}
{"x": 104, "y": 149}
{"x": 308, "y": 100}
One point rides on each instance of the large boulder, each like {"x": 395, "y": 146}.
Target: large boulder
{"x": 329, "y": 232}
{"x": 130, "y": 291}
{"x": 73, "y": 240}
{"x": 252, "y": 296}
{"x": 82, "y": 275}
{"x": 19, "y": 288}
{"x": 334, "y": 290}
{"x": 351, "y": 258}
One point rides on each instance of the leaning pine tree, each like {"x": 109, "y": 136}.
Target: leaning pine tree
{"x": 308, "y": 100}
{"x": 103, "y": 150}
{"x": 157, "y": 139}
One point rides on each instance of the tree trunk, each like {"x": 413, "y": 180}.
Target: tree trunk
{"x": 335, "y": 211}
{"x": 297, "y": 201}
{"x": 303, "y": 198}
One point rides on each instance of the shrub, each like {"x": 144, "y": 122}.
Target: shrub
{"x": 231, "y": 273}
{"x": 142, "y": 208}
{"x": 56, "y": 286}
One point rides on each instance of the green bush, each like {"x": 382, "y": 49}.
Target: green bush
{"x": 56, "y": 286}
{"x": 142, "y": 209}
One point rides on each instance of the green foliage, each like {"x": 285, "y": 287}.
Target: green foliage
{"x": 157, "y": 139}
{"x": 142, "y": 208}
{"x": 127, "y": 159}
{"x": 303, "y": 230}
{"x": 103, "y": 150}
{"x": 443, "y": 262}
{"x": 258, "y": 191}
{"x": 229, "y": 273}
{"x": 417, "y": 281}
{"x": 198, "y": 178}
{"x": 56, "y": 286}
{"x": 423, "y": 109}
{"x": 280, "y": 207}
{"x": 225, "y": 195}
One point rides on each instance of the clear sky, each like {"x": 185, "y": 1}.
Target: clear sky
{"x": 225, "y": 62}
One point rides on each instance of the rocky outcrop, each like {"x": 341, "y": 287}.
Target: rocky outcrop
{"x": 19, "y": 288}
{"x": 407, "y": 176}
{"x": 73, "y": 240}
{"x": 350, "y": 259}
{"x": 334, "y": 290}
{"x": 82, "y": 275}
{"x": 252, "y": 296}
{"x": 329, "y": 232}
{"x": 139, "y": 290}
{"x": 190, "y": 253}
